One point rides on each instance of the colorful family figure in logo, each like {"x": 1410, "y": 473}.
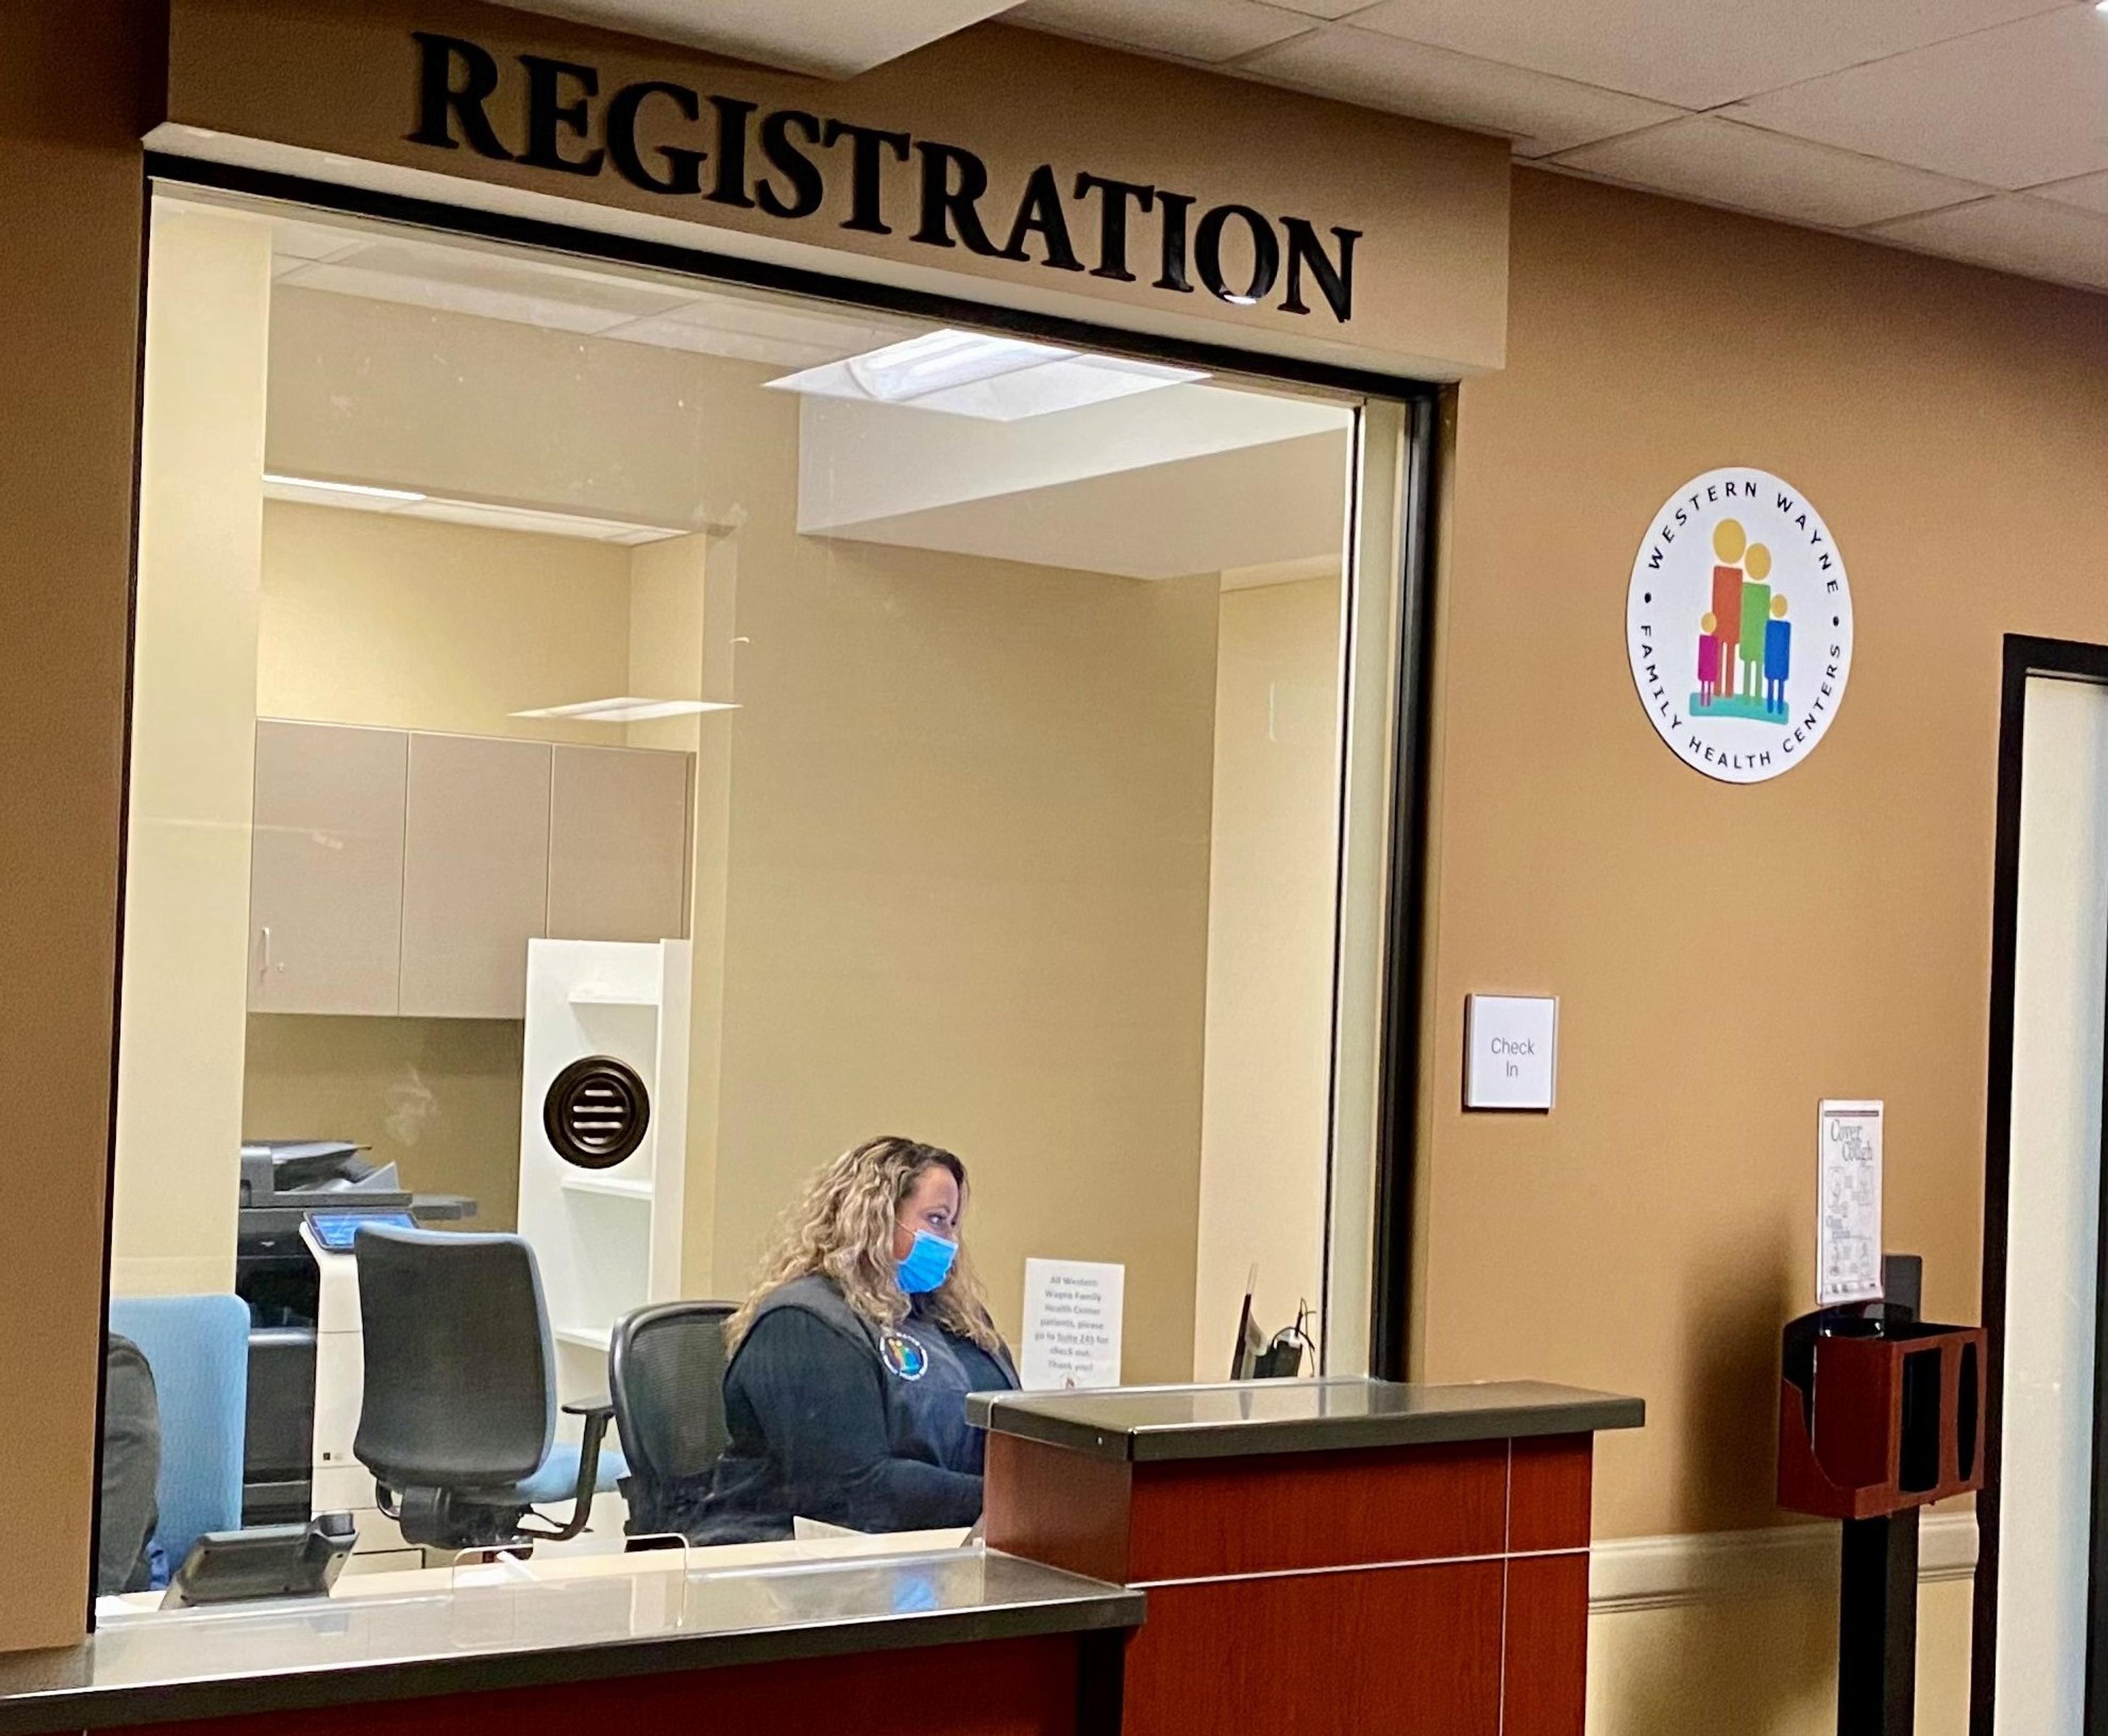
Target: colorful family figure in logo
{"x": 1747, "y": 625}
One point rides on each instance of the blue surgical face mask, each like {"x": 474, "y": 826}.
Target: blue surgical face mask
{"x": 928, "y": 1263}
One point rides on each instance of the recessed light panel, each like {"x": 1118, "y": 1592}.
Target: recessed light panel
{"x": 971, "y": 373}
{"x": 628, "y": 709}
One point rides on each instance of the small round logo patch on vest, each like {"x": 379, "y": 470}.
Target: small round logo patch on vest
{"x": 904, "y": 1356}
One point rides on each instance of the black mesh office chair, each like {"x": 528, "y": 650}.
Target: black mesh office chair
{"x": 459, "y": 1417}
{"x": 665, "y": 1368}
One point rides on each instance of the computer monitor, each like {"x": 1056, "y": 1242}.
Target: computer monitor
{"x": 1251, "y": 1341}
{"x": 1258, "y": 1357}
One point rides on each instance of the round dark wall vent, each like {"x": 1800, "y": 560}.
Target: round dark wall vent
{"x": 596, "y": 1112}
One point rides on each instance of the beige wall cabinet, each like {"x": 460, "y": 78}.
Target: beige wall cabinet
{"x": 618, "y": 844}
{"x": 400, "y": 872}
{"x": 325, "y": 869}
{"x": 476, "y": 882}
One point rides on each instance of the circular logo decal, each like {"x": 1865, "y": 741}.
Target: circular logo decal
{"x": 904, "y": 1356}
{"x": 1739, "y": 626}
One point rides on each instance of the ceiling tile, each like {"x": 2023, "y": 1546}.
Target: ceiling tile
{"x": 822, "y": 36}
{"x": 1212, "y": 30}
{"x": 1541, "y": 115}
{"x": 1687, "y": 52}
{"x": 291, "y": 239}
{"x": 505, "y": 272}
{"x": 842, "y": 330}
{"x": 550, "y": 310}
{"x": 2010, "y": 107}
{"x": 1717, "y": 161}
{"x": 1325, "y": 8}
{"x": 2014, "y": 232}
{"x": 2088, "y": 192}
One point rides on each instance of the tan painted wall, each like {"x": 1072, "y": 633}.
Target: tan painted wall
{"x": 1727, "y": 956}
{"x": 187, "y": 937}
{"x": 1760, "y": 1665}
{"x": 965, "y": 832}
{"x": 379, "y": 392}
{"x": 968, "y": 901}
{"x": 73, "y": 95}
{"x": 412, "y": 624}
{"x": 1272, "y": 870}
{"x": 682, "y": 614}
{"x": 438, "y": 1098}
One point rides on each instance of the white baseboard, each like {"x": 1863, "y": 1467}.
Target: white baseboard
{"x": 1709, "y": 1566}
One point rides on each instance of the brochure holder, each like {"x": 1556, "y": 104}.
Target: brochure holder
{"x": 1879, "y": 1415}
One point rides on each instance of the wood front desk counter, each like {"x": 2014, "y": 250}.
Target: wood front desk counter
{"x": 958, "y": 1642}
{"x": 1334, "y": 1558}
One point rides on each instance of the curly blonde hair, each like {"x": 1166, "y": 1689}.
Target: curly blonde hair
{"x": 843, "y": 1230}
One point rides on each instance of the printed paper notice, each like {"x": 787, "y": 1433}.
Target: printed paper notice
{"x": 1848, "y": 1230}
{"x": 1072, "y": 1323}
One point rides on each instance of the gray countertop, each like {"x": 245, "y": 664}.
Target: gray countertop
{"x": 255, "y": 1657}
{"x": 1295, "y": 1416}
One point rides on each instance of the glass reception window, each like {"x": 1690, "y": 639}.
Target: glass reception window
{"x": 837, "y": 724}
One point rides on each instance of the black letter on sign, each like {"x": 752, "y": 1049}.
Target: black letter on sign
{"x": 866, "y": 172}
{"x": 944, "y": 204}
{"x": 808, "y": 190}
{"x": 546, "y": 116}
{"x": 1112, "y": 221}
{"x": 1335, "y": 284}
{"x": 1208, "y": 253}
{"x": 684, "y": 167}
{"x": 730, "y": 186}
{"x": 1039, "y": 213}
{"x": 438, "y": 97}
{"x": 1174, "y": 206}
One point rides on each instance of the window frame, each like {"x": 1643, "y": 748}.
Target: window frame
{"x": 1379, "y": 949}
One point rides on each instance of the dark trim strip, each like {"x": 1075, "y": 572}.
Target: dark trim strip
{"x": 725, "y": 268}
{"x": 123, "y": 871}
{"x": 2094, "y": 1720}
{"x": 1398, "y": 1082}
{"x": 2067, "y": 659}
{"x": 1102, "y": 1682}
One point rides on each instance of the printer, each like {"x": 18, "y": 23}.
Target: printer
{"x": 302, "y": 1203}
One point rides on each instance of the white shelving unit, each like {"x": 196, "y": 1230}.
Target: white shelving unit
{"x": 607, "y": 1240}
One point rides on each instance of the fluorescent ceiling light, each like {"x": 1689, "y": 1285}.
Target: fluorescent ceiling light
{"x": 938, "y": 361}
{"x": 969, "y": 373}
{"x": 628, "y": 709}
{"x": 360, "y": 489}
{"x": 359, "y": 497}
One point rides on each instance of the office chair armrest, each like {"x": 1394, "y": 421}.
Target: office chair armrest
{"x": 597, "y": 1415}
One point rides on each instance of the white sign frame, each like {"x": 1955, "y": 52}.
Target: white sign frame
{"x": 1744, "y": 543}
{"x": 1848, "y": 1200}
{"x": 1511, "y": 1051}
{"x": 1073, "y": 1325}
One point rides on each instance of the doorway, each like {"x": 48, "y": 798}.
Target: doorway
{"x": 2038, "y": 1665}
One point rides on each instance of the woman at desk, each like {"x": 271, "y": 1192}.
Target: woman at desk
{"x": 845, "y": 1395}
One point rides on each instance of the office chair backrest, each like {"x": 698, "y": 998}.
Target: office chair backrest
{"x": 666, "y": 1377}
{"x": 460, "y": 1390}
{"x": 198, "y": 1348}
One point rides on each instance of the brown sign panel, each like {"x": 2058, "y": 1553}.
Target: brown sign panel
{"x": 1229, "y": 211}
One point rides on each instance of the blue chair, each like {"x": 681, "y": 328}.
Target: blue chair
{"x": 457, "y": 1422}
{"x": 198, "y": 1348}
